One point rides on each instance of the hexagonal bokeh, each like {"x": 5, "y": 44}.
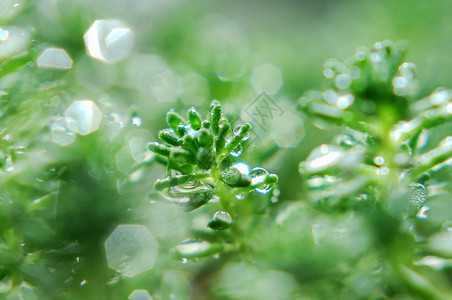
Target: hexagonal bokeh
{"x": 131, "y": 250}
{"x": 166, "y": 86}
{"x": 287, "y": 130}
{"x": 12, "y": 41}
{"x": 85, "y": 116}
{"x": 266, "y": 78}
{"x": 54, "y": 58}
{"x": 109, "y": 40}
{"x": 140, "y": 295}
{"x": 61, "y": 132}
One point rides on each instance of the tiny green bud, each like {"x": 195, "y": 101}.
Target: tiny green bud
{"x": 181, "y": 130}
{"x": 194, "y": 118}
{"x": 233, "y": 177}
{"x": 174, "y": 119}
{"x": 158, "y": 148}
{"x": 206, "y": 124}
{"x": 190, "y": 143}
{"x": 221, "y": 221}
{"x": 168, "y": 136}
{"x": 215, "y": 116}
{"x": 205, "y": 139}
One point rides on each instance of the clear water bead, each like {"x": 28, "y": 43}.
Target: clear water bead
{"x": 258, "y": 176}
{"x": 61, "y": 132}
{"x": 54, "y": 58}
{"x": 109, "y": 40}
{"x": 418, "y": 195}
{"x": 266, "y": 78}
{"x": 287, "y": 130}
{"x": 85, "y": 115}
{"x": 12, "y": 41}
{"x": 140, "y": 295}
{"x": 131, "y": 250}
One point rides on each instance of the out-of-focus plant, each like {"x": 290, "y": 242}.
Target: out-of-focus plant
{"x": 382, "y": 169}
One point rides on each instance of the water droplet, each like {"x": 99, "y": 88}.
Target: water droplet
{"x": 258, "y": 176}
{"x": 136, "y": 121}
{"x": 383, "y": 171}
{"x": 418, "y": 195}
{"x": 221, "y": 220}
{"x": 54, "y": 58}
{"x": 61, "y": 132}
{"x": 193, "y": 248}
{"x": 237, "y": 151}
{"x": 85, "y": 116}
{"x": 77, "y": 259}
{"x": 242, "y": 167}
{"x": 9, "y": 164}
{"x": 131, "y": 250}
{"x": 343, "y": 81}
{"x": 191, "y": 195}
{"x": 440, "y": 96}
{"x": 12, "y": 41}
{"x": 378, "y": 160}
{"x": 328, "y": 73}
{"x": 109, "y": 40}
{"x": 408, "y": 70}
{"x": 375, "y": 57}
{"x": 322, "y": 158}
{"x": 240, "y": 196}
{"x": 267, "y": 79}
{"x": 140, "y": 295}
{"x": 447, "y": 226}
{"x": 184, "y": 261}
{"x": 83, "y": 283}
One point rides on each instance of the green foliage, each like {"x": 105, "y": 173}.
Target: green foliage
{"x": 107, "y": 210}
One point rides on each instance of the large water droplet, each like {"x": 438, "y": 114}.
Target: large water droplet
{"x": 54, "y": 58}
{"x": 140, "y": 295}
{"x": 258, "y": 176}
{"x": 191, "y": 195}
{"x": 109, "y": 40}
{"x": 447, "y": 226}
{"x": 322, "y": 158}
{"x": 85, "y": 116}
{"x": 131, "y": 250}
{"x": 221, "y": 220}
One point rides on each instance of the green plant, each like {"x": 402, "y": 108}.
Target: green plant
{"x": 199, "y": 156}
{"x": 382, "y": 164}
